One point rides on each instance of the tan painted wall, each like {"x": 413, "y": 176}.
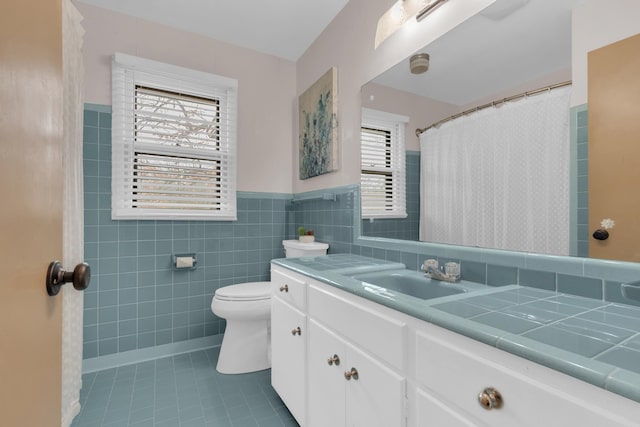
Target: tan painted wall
{"x": 30, "y": 212}
{"x": 265, "y": 95}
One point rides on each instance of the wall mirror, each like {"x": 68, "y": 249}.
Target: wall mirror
{"x": 511, "y": 47}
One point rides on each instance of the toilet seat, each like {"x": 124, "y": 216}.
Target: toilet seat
{"x": 252, "y": 291}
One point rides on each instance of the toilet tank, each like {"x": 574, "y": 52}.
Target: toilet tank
{"x": 295, "y": 248}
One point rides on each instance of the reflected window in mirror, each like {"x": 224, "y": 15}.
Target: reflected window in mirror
{"x": 382, "y": 178}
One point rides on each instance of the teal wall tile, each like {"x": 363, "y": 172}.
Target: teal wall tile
{"x": 537, "y": 279}
{"x": 473, "y": 271}
{"x": 107, "y": 330}
{"x": 107, "y": 346}
{"x": 580, "y": 286}
{"x": 90, "y": 118}
{"x": 583, "y": 118}
{"x": 90, "y": 333}
{"x": 90, "y": 349}
{"x": 127, "y": 296}
{"x": 498, "y": 275}
{"x": 127, "y": 343}
{"x": 90, "y": 135}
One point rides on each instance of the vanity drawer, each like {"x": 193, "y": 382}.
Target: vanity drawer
{"x": 458, "y": 369}
{"x": 289, "y": 286}
{"x": 361, "y": 325}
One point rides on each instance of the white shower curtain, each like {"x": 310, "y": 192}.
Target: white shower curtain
{"x": 73, "y": 210}
{"x": 499, "y": 178}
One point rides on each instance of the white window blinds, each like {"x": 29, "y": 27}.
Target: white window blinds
{"x": 173, "y": 142}
{"x": 382, "y": 179}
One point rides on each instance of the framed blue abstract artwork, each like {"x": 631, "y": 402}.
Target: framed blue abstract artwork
{"x": 318, "y": 112}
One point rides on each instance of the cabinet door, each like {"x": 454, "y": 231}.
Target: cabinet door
{"x": 377, "y": 396}
{"x": 288, "y": 356}
{"x": 431, "y": 412}
{"x": 326, "y": 388}
{"x": 458, "y": 369}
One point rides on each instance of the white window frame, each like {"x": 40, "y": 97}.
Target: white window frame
{"x": 393, "y": 203}
{"x": 129, "y": 72}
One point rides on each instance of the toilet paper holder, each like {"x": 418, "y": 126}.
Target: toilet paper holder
{"x": 185, "y": 261}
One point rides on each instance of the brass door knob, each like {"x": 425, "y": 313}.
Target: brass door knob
{"x": 57, "y": 276}
{"x": 353, "y": 373}
{"x": 296, "y": 331}
{"x": 490, "y": 398}
{"x": 284, "y": 288}
{"x": 334, "y": 359}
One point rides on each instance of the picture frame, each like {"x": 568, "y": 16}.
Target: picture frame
{"x": 318, "y": 133}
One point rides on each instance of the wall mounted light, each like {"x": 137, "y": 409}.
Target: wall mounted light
{"x": 398, "y": 14}
{"x": 430, "y": 8}
{"x": 419, "y": 63}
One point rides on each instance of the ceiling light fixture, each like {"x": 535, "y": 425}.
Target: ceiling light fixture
{"x": 419, "y": 63}
{"x": 430, "y": 8}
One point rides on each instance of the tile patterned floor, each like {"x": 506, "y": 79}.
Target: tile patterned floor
{"x": 180, "y": 391}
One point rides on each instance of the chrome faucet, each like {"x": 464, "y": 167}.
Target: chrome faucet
{"x": 434, "y": 273}
{"x": 431, "y": 270}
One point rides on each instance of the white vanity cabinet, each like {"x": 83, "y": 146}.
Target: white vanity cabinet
{"x": 348, "y": 386}
{"x": 289, "y": 340}
{"x": 453, "y": 372}
{"x": 401, "y": 370}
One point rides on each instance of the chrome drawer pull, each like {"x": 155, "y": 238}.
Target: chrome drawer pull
{"x": 296, "y": 331}
{"x": 334, "y": 359}
{"x": 284, "y": 288}
{"x": 353, "y": 373}
{"x": 490, "y": 398}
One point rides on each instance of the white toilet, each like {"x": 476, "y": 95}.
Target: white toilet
{"x": 247, "y": 309}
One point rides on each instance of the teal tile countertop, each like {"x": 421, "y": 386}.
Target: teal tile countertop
{"x": 592, "y": 340}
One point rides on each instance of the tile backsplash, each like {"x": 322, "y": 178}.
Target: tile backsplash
{"x": 138, "y": 300}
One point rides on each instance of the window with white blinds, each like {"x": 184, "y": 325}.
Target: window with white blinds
{"x": 173, "y": 142}
{"x": 382, "y": 179}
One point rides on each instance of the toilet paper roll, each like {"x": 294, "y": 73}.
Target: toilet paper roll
{"x": 184, "y": 262}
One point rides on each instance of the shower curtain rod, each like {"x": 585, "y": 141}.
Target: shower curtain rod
{"x": 419, "y": 131}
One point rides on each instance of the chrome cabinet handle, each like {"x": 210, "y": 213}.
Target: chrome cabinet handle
{"x": 353, "y": 373}
{"x": 490, "y": 398}
{"x": 284, "y": 288}
{"x": 334, "y": 359}
{"x": 296, "y": 331}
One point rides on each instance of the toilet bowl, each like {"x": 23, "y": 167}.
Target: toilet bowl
{"x": 247, "y": 310}
{"x": 245, "y": 343}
